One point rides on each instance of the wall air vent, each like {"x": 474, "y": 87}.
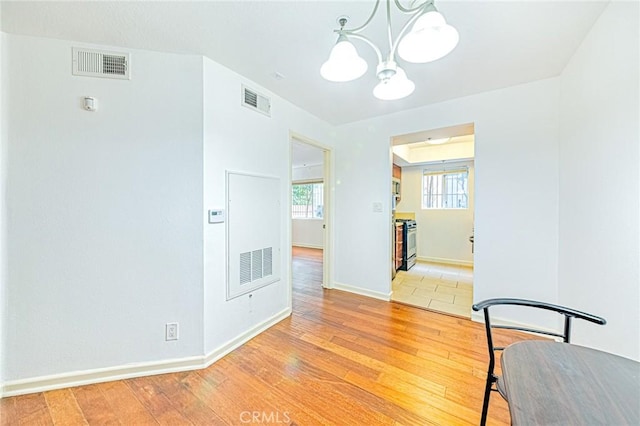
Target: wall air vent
{"x": 99, "y": 63}
{"x": 255, "y": 265}
{"x": 253, "y": 221}
{"x": 245, "y": 267}
{"x": 256, "y": 101}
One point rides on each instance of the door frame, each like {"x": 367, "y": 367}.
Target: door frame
{"x": 327, "y": 252}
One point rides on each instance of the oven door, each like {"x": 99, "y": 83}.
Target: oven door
{"x": 411, "y": 242}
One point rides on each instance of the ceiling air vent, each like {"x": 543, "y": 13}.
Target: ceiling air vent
{"x": 256, "y": 101}
{"x": 99, "y": 63}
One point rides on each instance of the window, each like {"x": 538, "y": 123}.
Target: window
{"x": 445, "y": 189}
{"x": 307, "y": 200}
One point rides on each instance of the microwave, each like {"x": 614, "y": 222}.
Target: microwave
{"x": 395, "y": 187}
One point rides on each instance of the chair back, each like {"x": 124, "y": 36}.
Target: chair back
{"x": 568, "y": 314}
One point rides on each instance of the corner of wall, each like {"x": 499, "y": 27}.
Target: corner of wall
{"x": 598, "y": 150}
{"x": 3, "y": 168}
{"x": 241, "y": 140}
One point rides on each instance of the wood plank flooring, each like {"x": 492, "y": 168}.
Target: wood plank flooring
{"x": 340, "y": 359}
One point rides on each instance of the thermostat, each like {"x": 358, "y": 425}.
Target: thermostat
{"x": 216, "y": 216}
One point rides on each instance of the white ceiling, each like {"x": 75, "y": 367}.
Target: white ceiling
{"x": 305, "y": 155}
{"x": 501, "y": 43}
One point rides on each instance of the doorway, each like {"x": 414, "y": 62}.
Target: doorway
{"x": 311, "y": 204}
{"x": 437, "y": 197}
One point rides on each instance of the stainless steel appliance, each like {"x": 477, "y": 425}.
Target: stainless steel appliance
{"x": 409, "y": 248}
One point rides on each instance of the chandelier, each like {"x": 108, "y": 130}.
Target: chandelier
{"x": 429, "y": 39}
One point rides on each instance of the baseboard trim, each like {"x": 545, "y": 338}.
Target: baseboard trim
{"x": 128, "y": 371}
{"x": 479, "y": 317}
{"x": 362, "y": 291}
{"x": 311, "y": 246}
{"x": 99, "y": 375}
{"x": 446, "y": 261}
{"x": 235, "y": 343}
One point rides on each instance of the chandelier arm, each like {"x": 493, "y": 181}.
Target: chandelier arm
{"x": 366, "y": 24}
{"x": 366, "y": 40}
{"x": 414, "y": 9}
{"x": 390, "y": 58}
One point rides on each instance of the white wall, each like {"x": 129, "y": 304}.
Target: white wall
{"x": 443, "y": 234}
{"x": 307, "y": 232}
{"x": 599, "y": 182}
{"x": 314, "y": 172}
{"x": 104, "y": 239}
{"x": 107, "y": 235}
{"x": 239, "y": 139}
{"x": 105, "y": 228}
{"x": 516, "y": 209}
{"x": 3, "y": 211}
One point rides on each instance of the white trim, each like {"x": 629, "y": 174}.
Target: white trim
{"x": 311, "y": 246}
{"x": 240, "y": 340}
{"x": 305, "y": 181}
{"x": 328, "y": 214}
{"x": 99, "y": 375}
{"x": 362, "y": 291}
{"x": 479, "y": 317}
{"x": 445, "y": 261}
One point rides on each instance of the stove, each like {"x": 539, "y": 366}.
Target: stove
{"x": 409, "y": 249}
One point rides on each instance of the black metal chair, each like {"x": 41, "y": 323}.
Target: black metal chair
{"x": 568, "y": 314}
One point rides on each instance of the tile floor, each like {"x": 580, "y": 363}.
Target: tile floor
{"x": 436, "y": 286}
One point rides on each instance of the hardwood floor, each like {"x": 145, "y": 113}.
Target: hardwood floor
{"x": 340, "y": 359}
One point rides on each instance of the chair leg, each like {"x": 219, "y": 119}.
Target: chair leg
{"x": 487, "y": 394}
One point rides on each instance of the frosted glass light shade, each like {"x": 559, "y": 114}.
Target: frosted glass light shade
{"x": 430, "y": 38}
{"x": 344, "y": 63}
{"x": 396, "y": 87}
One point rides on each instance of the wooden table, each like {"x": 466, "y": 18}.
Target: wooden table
{"x": 561, "y": 384}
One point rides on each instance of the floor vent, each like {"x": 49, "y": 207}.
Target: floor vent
{"x": 99, "y": 63}
{"x": 255, "y": 101}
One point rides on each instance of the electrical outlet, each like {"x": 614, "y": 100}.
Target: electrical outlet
{"x": 171, "y": 331}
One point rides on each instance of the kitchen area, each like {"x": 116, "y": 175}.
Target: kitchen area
{"x": 432, "y": 222}
{"x": 405, "y": 230}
